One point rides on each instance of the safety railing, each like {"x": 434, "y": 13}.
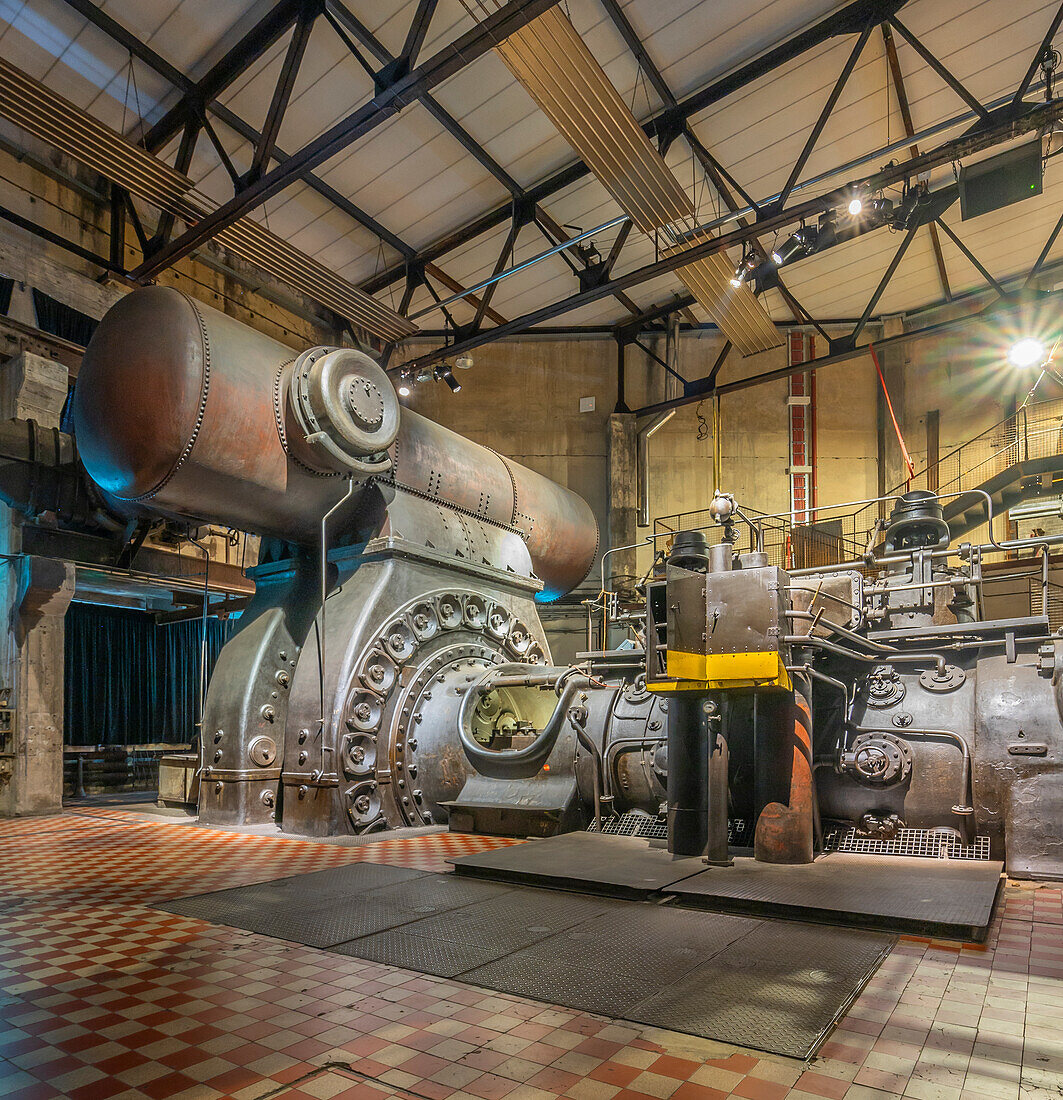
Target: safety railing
{"x": 1033, "y": 433}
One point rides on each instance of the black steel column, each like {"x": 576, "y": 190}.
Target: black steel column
{"x": 697, "y": 777}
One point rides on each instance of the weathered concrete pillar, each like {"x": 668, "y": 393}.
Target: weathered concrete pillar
{"x": 33, "y": 388}
{"x": 31, "y": 760}
{"x": 623, "y": 501}
{"x": 34, "y": 596}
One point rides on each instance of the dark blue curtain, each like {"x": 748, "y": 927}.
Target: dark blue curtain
{"x": 62, "y": 320}
{"x": 131, "y": 680}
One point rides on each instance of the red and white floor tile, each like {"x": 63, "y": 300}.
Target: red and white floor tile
{"x": 103, "y": 996}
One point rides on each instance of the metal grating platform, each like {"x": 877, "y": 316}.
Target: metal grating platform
{"x": 920, "y": 843}
{"x": 901, "y": 893}
{"x": 633, "y": 823}
{"x": 621, "y": 866}
{"x": 708, "y": 974}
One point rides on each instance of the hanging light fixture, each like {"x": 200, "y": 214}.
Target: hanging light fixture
{"x": 744, "y": 269}
{"x": 802, "y": 243}
{"x": 444, "y": 372}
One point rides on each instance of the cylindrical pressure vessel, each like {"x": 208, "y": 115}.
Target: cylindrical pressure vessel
{"x": 182, "y": 411}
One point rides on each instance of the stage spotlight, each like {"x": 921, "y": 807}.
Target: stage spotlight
{"x": 444, "y": 372}
{"x": 744, "y": 269}
{"x": 856, "y": 206}
{"x": 802, "y": 243}
{"x": 1029, "y": 352}
{"x": 404, "y": 390}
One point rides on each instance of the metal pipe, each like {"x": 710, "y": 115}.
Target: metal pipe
{"x": 875, "y": 659}
{"x": 848, "y": 166}
{"x": 484, "y": 283}
{"x": 963, "y": 807}
{"x": 817, "y": 592}
{"x": 321, "y": 618}
{"x": 642, "y": 463}
{"x": 1044, "y": 579}
{"x": 203, "y": 634}
{"x": 577, "y": 719}
{"x": 844, "y": 631}
{"x": 734, "y": 216}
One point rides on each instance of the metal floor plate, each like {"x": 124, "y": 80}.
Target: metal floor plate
{"x": 627, "y": 866}
{"x": 771, "y": 985}
{"x": 900, "y": 893}
{"x": 774, "y": 983}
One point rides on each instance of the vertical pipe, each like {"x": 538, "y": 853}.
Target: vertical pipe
{"x": 688, "y": 765}
{"x": 321, "y": 618}
{"x": 697, "y": 778}
{"x": 203, "y": 635}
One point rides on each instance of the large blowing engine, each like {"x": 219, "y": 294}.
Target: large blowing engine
{"x": 392, "y": 669}
{"x": 435, "y": 551}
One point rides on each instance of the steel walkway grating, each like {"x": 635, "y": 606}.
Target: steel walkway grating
{"x": 718, "y": 976}
{"x": 647, "y": 827}
{"x": 924, "y": 843}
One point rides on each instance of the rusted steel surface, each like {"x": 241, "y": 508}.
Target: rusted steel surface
{"x": 184, "y": 412}
{"x": 784, "y": 831}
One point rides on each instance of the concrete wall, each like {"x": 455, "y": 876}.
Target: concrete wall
{"x": 522, "y": 398}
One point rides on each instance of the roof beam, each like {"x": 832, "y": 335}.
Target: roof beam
{"x": 244, "y": 53}
{"x": 909, "y": 129}
{"x": 158, "y": 64}
{"x": 340, "y": 14}
{"x": 848, "y": 20}
{"x": 1033, "y": 119}
{"x": 720, "y": 177}
{"x": 448, "y": 61}
{"x": 940, "y": 69}
{"x": 1046, "y": 46}
{"x": 282, "y": 95}
{"x": 125, "y": 38}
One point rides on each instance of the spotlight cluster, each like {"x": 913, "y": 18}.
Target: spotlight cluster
{"x": 441, "y": 372}
{"x": 856, "y": 214}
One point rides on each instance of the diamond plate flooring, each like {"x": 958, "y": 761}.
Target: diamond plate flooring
{"x": 771, "y": 985}
{"x": 953, "y": 897}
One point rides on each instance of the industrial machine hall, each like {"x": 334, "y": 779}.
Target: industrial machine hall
{"x": 531, "y": 549}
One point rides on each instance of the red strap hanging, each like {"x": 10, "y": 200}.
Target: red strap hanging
{"x": 893, "y": 416}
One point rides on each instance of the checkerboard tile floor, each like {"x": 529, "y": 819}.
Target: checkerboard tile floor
{"x": 103, "y": 996}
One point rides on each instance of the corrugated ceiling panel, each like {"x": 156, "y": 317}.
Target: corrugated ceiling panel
{"x": 561, "y": 75}
{"x": 53, "y": 119}
{"x": 738, "y": 314}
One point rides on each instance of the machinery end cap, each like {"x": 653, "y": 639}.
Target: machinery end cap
{"x": 347, "y": 408}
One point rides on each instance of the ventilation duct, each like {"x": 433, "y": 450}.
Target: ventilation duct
{"x": 54, "y": 120}
{"x": 559, "y": 72}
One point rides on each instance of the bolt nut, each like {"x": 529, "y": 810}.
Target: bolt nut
{"x": 268, "y": 713}
{"x": 283, "y": 678}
